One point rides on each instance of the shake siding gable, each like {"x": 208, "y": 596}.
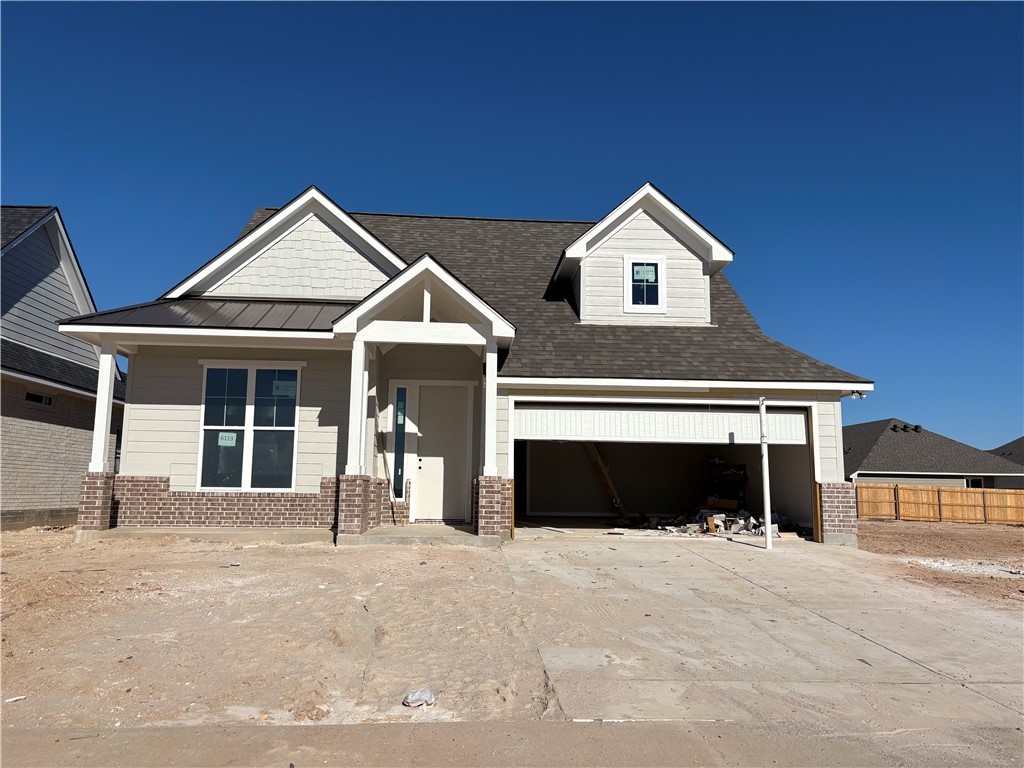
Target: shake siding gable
{"x": 311, "y": 261}
{"x": 685, "y": 277}
{"x": 161, "y": 437}
{"x": 35, "y": 295}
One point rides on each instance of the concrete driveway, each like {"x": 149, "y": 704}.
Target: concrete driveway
{"x": 807, "y": 638}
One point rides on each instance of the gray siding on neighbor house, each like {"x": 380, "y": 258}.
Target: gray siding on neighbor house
{"x": 44, "y": 449}
{"x": 35, "y": 294}
{"x": 687, "y": 283}
{"x": 162, "y": 421}
{"x": 312, "y": 261}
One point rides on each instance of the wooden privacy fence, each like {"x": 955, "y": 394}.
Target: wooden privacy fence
{"x": 952, "y": 505}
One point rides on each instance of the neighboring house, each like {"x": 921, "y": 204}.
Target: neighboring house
{"x": 48, "y": 378}
{"x": 334, "y": 370}
{"x": 1012, "y": 451}
{"x": 893, "y": 451}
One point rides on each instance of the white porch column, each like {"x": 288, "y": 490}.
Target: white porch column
{"x": 357, "y": 409}
{"x": 104, "y": 407}
{"x": 766, "y": 487}
{"x": 491, "y": 409}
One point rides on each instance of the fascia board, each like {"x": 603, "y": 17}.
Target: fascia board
{"x": 529, "y": 382}
{"x": 648, "y": 197}
{"x": 311, "y": 196}
{"x": 349, "y": 322}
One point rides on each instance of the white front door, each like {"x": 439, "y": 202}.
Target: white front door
{"x": 430, "y": 445}
{"x": 440, "y": 471}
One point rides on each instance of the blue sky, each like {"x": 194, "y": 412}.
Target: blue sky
{"x": 863, "y": 161}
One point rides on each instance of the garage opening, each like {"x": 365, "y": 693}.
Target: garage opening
{"x": 660, "y": 467}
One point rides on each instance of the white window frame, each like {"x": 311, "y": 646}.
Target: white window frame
{"x": 628, "y": 260}
{"x": 249, "y": 428}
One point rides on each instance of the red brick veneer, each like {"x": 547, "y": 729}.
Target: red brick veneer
{"x": 148, "y": 501}
{"x": 492, "y": 505}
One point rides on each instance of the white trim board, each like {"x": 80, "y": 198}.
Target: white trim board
{"x": 349, "y": 323}
{"x": 684, "y": 385}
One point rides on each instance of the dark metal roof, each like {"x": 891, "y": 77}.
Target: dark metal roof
{"x": 17, "y": 219}
{"x": 885, "y": 446}
{"x": 1012, "y": 451}
{"x": 254, "y": 314}
{"x": 18, "y": 358}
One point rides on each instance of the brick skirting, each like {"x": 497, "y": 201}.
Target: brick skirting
{"x": 838, "y": 514}
{"x": 492, "y": 506}
{"x": 95, "y": 510}
{"x": 149, "y": 502}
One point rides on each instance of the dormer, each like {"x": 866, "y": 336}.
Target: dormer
{"x": 648, "y": 262}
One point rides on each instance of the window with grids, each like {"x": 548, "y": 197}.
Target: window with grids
{"x": 643, "y": 284}
{"x": 249, "y": 421}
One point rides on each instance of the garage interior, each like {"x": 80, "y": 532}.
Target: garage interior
{"x": 558, "y": 480}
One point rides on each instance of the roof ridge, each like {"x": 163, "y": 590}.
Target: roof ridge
{"x": 466, "y": 218}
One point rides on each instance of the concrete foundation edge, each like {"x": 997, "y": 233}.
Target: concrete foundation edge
{"x": 357, "y": 539}
{"x": 840, "y": 539}
{"x": 231, "y": 535}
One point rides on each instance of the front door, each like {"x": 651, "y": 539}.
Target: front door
{"x": 439, "y": 457}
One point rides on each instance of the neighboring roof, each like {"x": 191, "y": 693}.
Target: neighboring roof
{"x": 508, "y": 264}
{"x": 18, "y": 358}
{"x": 885, "y": 446}
{"x": 16, "y": 220}
{"x": 257, "y": 314}
{"x": 1012, "y": 451}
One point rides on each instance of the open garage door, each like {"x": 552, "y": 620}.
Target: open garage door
{"x": 662, "y": 460}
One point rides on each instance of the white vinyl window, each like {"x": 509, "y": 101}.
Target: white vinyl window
{"x": 643, "y": 284}
{"x": 249, "y": 418}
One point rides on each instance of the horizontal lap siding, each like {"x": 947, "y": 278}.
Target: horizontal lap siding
{"x": 830, "y": 441}
{"x": 35, "y": 295}
{"x": 686, "y": 298}
{"x": 162, "y": 430}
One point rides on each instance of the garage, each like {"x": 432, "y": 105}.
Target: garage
{"x": 662, "y": 461}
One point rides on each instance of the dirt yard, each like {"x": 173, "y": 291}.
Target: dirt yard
{"x": 116, "y": 642}
{"x": 171, "y": 631}
{"x": 971, "y": 559}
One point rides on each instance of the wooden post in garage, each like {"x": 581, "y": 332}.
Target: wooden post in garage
{"x": 512, "y": 501}
{"x": 766, "y": 488}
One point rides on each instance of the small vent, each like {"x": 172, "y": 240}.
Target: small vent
{"x": 917, "y": 427}
{"x": 32, "y": 397}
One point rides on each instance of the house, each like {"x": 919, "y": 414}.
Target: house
{"x": 894, "y": 451}
{"x": 336, "y": 371}
{"x": 1012, "y": 451}
{"x": 48, "y": 379}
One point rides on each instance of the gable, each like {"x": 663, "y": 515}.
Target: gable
{"x": 35, "y": 293}
{"x": 605, "y": 271}
{"x": 312, "y": 260}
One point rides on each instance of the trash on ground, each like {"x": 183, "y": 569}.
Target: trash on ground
{"x": 419, "y": 698}
{"x": 14, "y": 698}
{"x": 231, "y": 565}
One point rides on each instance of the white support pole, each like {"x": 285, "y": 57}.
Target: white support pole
{"x": 357, "y": 409}
{"x": 104, "y": 407}
{"x": 426, "y": 300}
{"x": 491, "y": 409}
{"x": 766, "y": 488}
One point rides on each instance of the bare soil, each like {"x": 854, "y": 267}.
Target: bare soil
{"x": 125, "y": 633}
{"x": 984, "y": 561}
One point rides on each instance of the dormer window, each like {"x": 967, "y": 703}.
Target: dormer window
{"x": 643, "y": 282}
